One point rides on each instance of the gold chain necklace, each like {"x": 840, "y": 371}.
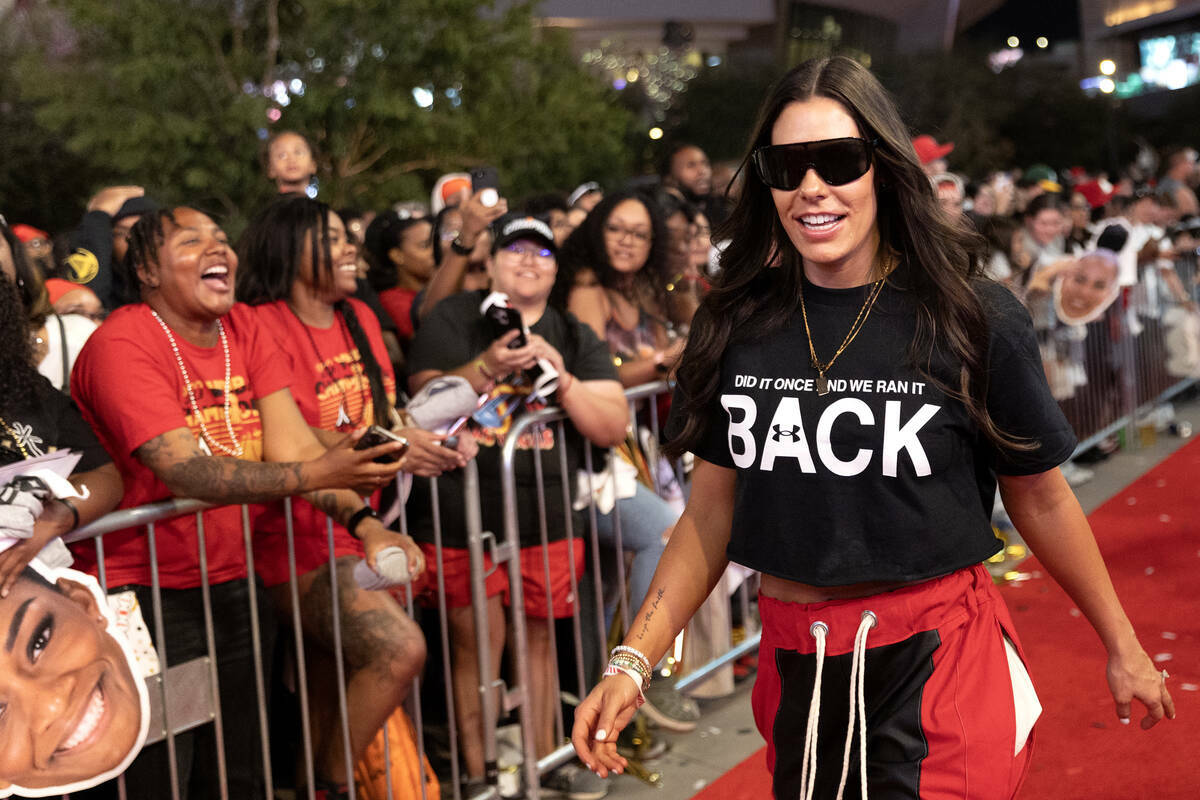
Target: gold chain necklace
{"x": 859, "y": 322}
{"x": 16, "y": 439}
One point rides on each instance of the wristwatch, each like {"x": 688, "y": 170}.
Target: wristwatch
{"x": 357, "y": 517}
{"x": 461, "y": 247}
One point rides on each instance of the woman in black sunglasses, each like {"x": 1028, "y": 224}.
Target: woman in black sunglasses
{"x": 854, "y": 391}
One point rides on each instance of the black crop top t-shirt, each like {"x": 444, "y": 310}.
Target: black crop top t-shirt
{"x": 884, "y": 478}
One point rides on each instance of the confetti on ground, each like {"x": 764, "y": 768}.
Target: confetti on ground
{"x": 1170, "y": 635}
{"x": 1131, "y": 501}
{"x": 1164, "y": 517}
{"x": 1161, "y": 657}
{"x": 1149, "y": 570}
{"x": 1075, "y": 612}
{"x": 1189, "y": 687}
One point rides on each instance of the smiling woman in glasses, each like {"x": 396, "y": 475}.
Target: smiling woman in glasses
{"x": 853, "y": 392}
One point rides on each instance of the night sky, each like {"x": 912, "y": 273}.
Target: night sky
{"x": 1057, "y": 20}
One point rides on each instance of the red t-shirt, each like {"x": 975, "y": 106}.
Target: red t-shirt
{"x": 331, "y": 388}
{"x": 398, "y": 304}
{"x": 129, "y": 386}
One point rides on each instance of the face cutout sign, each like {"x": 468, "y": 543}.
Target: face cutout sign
{"x": 1087, "y": 289}
{"x": 74, "y": 709}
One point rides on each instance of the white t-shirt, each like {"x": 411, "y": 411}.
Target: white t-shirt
{"x": 77, "y": 329}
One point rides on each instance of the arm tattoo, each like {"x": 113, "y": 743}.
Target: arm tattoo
{"x": 646, "y": 617}
{"x": 339, "y": 504}
{"x": 178, "y": 462}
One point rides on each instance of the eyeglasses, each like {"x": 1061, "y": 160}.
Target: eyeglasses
{"x": 521, "y": 250}
{"x": 837, "y": 162}
{"x": 619, "y": 233}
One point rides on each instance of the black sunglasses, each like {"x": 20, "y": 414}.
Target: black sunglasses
{"x": 837, "y": 161}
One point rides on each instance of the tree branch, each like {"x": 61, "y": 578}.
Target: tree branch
{"x": 214, "y": 44}
{"x": 272, "y": 54}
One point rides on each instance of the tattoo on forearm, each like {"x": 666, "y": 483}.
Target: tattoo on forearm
{"x": 231, "y": 480}
{"x": 337, "y": 504}
{"x": 176, "y": 460}
{"x": 646, "y": 617}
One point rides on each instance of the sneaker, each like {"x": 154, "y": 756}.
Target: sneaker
{"x": 669, "y": 709}
{"x": 574, "y": 782}
{"x": 1075, "y": 474}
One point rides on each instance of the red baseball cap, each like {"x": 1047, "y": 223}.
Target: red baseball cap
{"x": 929, "y": 150}
{"x": 27, "y": 233}
{"x": 1096, "y": 192}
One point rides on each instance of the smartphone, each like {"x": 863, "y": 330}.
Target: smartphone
{"x": 502, "y": 319}
{"x": 376, "y": 436}
{"x": 451, "y": 439}
{"x": 484, "y": 178}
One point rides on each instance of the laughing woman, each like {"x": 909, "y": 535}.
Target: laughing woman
{"x": 191, "y": 398}
{"x": 298, "y": 272}
{"x": 920, "y": 389}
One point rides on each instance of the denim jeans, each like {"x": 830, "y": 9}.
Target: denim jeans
{"x": 643, "y": 519}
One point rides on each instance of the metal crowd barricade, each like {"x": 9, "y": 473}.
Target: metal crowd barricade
{"x": 509, "y": 552}
{"x": 1112, "y": 372}
{"x": 186, "y": 696}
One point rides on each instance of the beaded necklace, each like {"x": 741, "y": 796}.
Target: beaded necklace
{"x": 207, "y": 441}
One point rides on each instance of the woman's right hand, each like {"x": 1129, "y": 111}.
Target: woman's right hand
{"x": 343, "y": 467}
{"x": 599, "y": 719}
{"x": 501, "y": 361}
{"x": 477, "y": 217}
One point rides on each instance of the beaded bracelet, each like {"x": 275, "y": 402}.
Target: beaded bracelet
{"x": 633, "y": 651}
{"x": 632, "y": 669}
{"x": 633, "y": 663}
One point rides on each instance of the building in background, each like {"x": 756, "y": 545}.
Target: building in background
{"x": 1153, "y": 45}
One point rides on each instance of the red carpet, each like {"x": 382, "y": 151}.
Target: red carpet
{"x": 1150, "y": 538}
{"x": 749, "y": 780}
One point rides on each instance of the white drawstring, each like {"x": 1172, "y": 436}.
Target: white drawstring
{"x": 808, "y": 774}
{"x": 858, "y": 705}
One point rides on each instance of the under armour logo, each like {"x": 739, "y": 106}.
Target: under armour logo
{"x": 782, "y": 434}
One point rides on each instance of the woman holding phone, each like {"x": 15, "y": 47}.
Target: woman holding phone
{"x": 298, "y": 275}
{"x": 190, "y": 396}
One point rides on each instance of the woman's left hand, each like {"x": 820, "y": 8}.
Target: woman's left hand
{"x": 54, "y": 521}
{"x": 427, "y": 456}
{"x": 543, "y": 349}
{"x": 1133, "y": 675}
{"x": 376, "y": 538}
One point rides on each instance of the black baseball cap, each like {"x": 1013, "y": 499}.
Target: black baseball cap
{"x": 512, "y": 227}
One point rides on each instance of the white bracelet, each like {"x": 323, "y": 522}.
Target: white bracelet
{"x": 637, "y": 680}
{"x": 633, "y": 651}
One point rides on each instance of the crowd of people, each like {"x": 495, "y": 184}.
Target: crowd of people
{"x": 185, "y": 364}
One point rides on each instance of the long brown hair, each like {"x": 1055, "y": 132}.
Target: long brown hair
{"x": 942, "y": 257}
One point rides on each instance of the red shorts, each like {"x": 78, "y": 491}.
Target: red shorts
{"x": 456, "y": 568}
{"x": 941, "y": 715}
